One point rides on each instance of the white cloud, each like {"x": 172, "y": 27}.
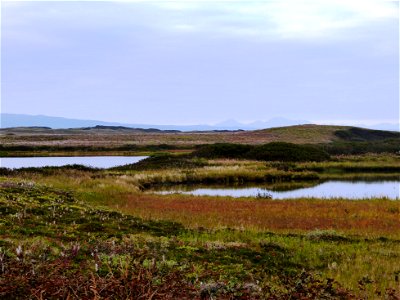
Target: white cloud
{"x": 280, "y": 19}
{"x": 353, "y": 122}
{"x": 288, "y": 19}
{"x": 176, "y": 53}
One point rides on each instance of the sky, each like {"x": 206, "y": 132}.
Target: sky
{"x": 202, "y": 62}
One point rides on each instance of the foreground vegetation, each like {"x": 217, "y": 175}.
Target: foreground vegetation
{"x": 84, "y": 233}
{"x": 189, "y": 169}
{"x": 56, "y": 245}
{"x": 77, "y": 232}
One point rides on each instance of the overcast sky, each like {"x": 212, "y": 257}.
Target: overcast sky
{"x": 190, "y": 62}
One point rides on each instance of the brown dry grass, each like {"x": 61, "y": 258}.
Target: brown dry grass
{"x": 369, "y": 217}
{"x": 294, "y": 134}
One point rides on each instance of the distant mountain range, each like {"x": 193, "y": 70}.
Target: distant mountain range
{"x": 21, "y": 120}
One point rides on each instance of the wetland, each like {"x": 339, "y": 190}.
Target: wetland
{"x": 326, "y": 190}
{"x": 103, "y": 162}
{"x": 108, "y": 233}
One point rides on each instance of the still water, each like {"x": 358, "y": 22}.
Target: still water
{"x": 328, "y": 189}
{"x": 90, "y": 161}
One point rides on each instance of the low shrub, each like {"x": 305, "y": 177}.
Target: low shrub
{"x": 355, "y": 148}
{"x": 363, "y": 134}
{"x": 276, "y": 151}
{"x": 163, "y": 161}
{"x": 223, "y": 150}
{"x": 285, "y": 152}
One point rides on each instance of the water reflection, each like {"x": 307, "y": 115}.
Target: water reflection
{"x": 328, "y": 189}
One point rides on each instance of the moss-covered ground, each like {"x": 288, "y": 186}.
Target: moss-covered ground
{"x": 77, "y": 233}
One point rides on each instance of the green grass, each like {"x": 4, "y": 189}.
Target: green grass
{"x": 306, "y": 133}
{"x": 100, "y": 236}
{"x": 45, "y": 229}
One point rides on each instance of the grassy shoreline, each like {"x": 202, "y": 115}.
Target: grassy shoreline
{"x": 72, "y": 153}
{"x": 101, "y": 236}
{"x": 82, "y": 235}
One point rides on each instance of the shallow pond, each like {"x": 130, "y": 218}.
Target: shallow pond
{"x": 328, "y": 189}
{"x": 91, "y": 161}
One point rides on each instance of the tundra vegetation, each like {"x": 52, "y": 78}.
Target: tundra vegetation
{"x": 82, "y": 233}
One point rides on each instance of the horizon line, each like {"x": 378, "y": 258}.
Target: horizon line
{"x": 341, "y": 122}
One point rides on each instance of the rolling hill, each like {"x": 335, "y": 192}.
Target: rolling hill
{"x": 112, "y": 136}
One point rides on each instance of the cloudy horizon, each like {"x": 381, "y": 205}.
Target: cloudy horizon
{"x": 201, "y": 62}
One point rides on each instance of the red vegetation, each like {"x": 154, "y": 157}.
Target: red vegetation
{"x": 369, "y": 217}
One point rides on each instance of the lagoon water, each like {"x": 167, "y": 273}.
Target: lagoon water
{"x": 90, "y": 161}
{"x": 328, "y": 189}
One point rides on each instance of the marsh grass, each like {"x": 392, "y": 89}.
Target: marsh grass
{"x": 103, "y": 237}
{"x": 367, "y": 217}
{"x": 101, "y": 253}
{"x": 94, "y": 253}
